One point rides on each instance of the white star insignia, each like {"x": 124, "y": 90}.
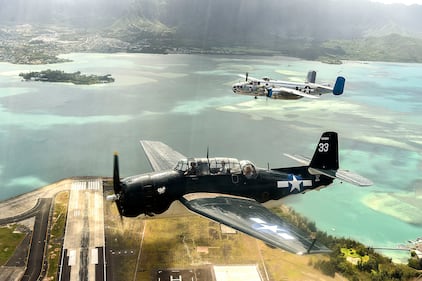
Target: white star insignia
{"x": 279, "y": 231}
{"x": 295, "y": 184}
{"x": 272, "y": 228}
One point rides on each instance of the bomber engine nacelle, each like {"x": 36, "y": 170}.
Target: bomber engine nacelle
{"x": 144, "y": 194}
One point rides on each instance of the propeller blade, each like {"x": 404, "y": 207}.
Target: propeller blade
{"x": 116, "y": 176}
{"x": 246, "y": 76}
{"x": 116, "y": 197}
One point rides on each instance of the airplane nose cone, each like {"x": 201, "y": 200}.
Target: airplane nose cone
{"x": 235, "y": 88}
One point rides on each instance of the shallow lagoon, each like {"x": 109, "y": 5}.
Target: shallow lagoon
{"x": 53, "y": 131}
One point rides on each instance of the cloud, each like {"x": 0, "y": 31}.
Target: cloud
{"x": 193, "y": 107}
{"x": 42, "y": 121}
{"x": 26, "y": 181}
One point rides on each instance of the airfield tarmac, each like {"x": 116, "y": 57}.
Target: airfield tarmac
{"x": 83, "y": 247}
{"x": 84, "y": 242}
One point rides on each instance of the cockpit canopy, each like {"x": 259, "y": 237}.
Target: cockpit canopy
{"x": 215, "y": 166}
{"x": 248, "y": 169}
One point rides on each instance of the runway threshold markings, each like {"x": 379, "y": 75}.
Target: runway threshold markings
{"x": 85, "y": 228}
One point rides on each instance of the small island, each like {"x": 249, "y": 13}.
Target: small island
{"x": 60, "y": 76}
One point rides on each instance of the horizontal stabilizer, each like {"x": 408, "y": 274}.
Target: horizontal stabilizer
{"x": 299, "y": 158}
{"x": 342, "y": 175}
{"x": 353, "y": 178}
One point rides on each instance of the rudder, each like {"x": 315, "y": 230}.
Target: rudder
{"x": 339, "y": 85}
{"x": 311, "y": 78}
{"x": 326, "y": 152}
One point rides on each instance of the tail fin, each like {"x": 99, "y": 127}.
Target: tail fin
{"x": 311, "y": 78}
{"x": 325, "y": 162}
{"x": 339, "y": 85}
{"x": 326, "y": 152}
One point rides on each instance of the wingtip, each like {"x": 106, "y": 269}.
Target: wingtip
{"x": 366, "y": 183}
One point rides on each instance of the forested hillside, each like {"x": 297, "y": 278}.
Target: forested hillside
{"x": 311, "y": 29}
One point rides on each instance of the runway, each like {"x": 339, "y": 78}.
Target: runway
{"x": 83, "y": 249}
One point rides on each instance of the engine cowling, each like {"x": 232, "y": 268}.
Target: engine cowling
{"x": 147, "y": 194}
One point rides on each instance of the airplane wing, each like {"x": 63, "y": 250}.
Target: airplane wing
{"x": 160, "y": 155}
{"x": 250, "y": 217}
{"x": 277, "y": 90}
{"x": 320, "y": 86}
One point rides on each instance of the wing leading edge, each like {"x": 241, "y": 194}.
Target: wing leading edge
{"x": 250, "y": 217}
{"x": 160, "y": 155}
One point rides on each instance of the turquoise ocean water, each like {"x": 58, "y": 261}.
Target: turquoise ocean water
{"x": 53, "y": 131}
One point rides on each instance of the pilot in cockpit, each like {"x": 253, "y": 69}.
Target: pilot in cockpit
{"x": 248, "y": 169}
{"x": 223, "y": 169}
{"x": 192, "y": 169}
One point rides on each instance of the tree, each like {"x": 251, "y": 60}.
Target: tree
{"x": 415, "y": 263}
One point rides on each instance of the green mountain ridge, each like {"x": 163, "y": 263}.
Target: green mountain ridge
{"x": 393, "y": 47}
{"x": 326, "y": 30}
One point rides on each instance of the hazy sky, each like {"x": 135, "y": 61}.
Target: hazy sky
{"x": 407, "y": 2}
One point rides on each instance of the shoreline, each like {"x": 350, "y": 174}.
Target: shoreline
{"x": 20, "y": 203}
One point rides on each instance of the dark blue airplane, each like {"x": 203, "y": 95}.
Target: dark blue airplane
{"x": 230, "y": 191}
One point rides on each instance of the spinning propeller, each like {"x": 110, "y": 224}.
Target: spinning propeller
{"x": 117, "y": 186}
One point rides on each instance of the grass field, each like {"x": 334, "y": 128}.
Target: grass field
{"x": 57, "y": 227}
{"x": 9, "y": 240}
{"x": 193, "y": 241}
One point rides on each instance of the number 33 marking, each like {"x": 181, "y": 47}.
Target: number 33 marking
{"x": 323, "y": 147}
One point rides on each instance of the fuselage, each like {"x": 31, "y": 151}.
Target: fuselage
{"x": 260, "y": 88}
{"x": 153, "y": 193}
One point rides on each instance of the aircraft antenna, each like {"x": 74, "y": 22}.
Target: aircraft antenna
{"x": 310, "y": 247}
{"x": 208, "y": 159}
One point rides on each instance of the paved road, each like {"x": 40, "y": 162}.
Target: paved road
{"x": 24, "y": 202}
{"x": 23, "y": 216}
{"x": 34, "y": 268}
